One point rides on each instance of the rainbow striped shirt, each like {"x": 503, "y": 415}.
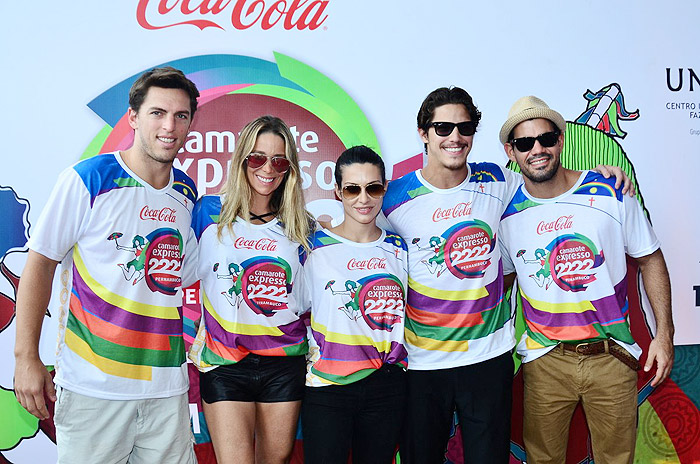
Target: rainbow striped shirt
{"x": 249, "y": 289}
{"x": 569, "y": 254}
{"x": 456, "y": 312}
{"x": 357, "y": 295}
{"x": 122, "y": 244}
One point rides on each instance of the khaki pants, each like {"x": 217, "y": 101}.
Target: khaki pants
{"x": 96, "y": 431}
{"x": 607, "y": 389}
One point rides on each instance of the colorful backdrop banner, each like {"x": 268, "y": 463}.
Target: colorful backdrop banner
{"x": 625, "y": 77}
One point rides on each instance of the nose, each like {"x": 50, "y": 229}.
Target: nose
{"x": 364, "y": 196}
{"x": 169, "y": 122}
{"x": 267, "y": 167}
{"x": 454, "y": 135}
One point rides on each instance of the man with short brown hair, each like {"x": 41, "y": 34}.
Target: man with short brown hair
{"x": 119, "y": 226}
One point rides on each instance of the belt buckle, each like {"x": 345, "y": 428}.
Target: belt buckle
{"x": 581, "y": 345}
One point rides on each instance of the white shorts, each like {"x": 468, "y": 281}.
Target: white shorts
{"x": 93, "y": 430}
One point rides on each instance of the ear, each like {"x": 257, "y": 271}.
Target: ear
{"x": 560, "y": 143}
{"x": 423, "y": 135}
{"x": 131, "y": 116}
{"x": 510, "y": 151}
{"x": 337, "y": 192}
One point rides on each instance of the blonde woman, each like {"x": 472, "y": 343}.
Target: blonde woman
{"x": 251, "y": 345}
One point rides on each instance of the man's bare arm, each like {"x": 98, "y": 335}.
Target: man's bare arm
{"x": 31, "y": 377}
{"x": 658, "y": 288}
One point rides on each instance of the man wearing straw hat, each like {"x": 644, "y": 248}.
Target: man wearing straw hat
{"x": 566, "y": 234}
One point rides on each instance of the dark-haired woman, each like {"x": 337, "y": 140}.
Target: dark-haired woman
{"x": 356, "y": 275}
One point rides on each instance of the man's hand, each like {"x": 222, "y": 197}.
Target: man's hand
{"x": 33, "y": 295}
{"x": 661, "y": 351}
{"x": 657, "y": 285}
{"x": 32, "y": 380}
{"x": 620, "y": 178}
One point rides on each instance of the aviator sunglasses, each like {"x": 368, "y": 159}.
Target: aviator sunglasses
{"x": 350, "y": 192}
{"x": 548, "y": 139}
{"x": 279, "y": 163}
{"x": 443, "y": 129}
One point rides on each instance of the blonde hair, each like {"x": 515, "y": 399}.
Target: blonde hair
{"x": 287, "y": 201}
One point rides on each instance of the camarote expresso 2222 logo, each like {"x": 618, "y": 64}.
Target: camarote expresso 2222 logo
{"x": 236, "y": 89}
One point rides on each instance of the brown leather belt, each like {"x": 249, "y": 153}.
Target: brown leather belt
{"x": 603, "y": 346}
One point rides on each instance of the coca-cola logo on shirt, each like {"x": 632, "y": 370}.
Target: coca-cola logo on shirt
{"x": 458, "y": 210}
{"x": 561, "y": 223}
{"x": 239, "y": 14}
{"x": 372, "y": 263}
{"x": 160, "y": 215}
{"x": 262, "y": 244}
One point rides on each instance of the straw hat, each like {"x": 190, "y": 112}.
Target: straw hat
{"x": 526, "y": 108}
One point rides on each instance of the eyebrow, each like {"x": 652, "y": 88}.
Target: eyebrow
{"x": 368, "y": 183}
{"x": 260, "y": 152}
{"x": 162, "y": 110}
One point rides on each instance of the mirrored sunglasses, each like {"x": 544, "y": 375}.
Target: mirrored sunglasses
{"x": 350, "y": 192}
{"x": 279, "y": 163}
{"x": 548, "y": 139}
{"x": 443, "y": 129}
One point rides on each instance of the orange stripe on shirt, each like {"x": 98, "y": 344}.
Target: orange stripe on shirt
{"x": 585, "y": 332}
{"x": 443, "y": 320}
{"x": 345, "y": 368}
{"x": 118, "y": 335}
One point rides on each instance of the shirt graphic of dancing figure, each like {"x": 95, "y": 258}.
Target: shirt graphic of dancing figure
{"x": 543, "y": 277}
{"x": 436, "y": 263}
{"x": 136, "y": 267}
{"x": 352, "y": 307}
{"x": 234, "y": 294}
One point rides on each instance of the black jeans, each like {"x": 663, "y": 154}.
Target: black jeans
{"x": 482, "y": 396}
{"x": 364, "y": 416}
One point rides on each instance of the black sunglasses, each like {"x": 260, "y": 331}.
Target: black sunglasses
{"x": 350, "y": 192}
{"x": 443, "y": 129}
{"x": 548, "y": 139}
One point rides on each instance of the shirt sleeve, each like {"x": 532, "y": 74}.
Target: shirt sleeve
{"x": 64, "y": 218}
{"x": 383, "y": 222}
{"x": 513, "y": 181}
{"x": 190, "y": 259}
{"x": 301, "y": 289}
{"x": 640, "y": 239}
{"x": 508, "y": 266}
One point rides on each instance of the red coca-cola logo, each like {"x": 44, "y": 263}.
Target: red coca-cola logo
{"x": 161, "y": 215}
{"x": 372, "y": 263}
{"x": 241, "y": 14}
{"x": 458, "y": 210}
{"x": 563, "y": 222}
{"x": 263, "y": 244}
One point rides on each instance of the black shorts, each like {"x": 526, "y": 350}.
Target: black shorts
{"x": 261, "y": 379}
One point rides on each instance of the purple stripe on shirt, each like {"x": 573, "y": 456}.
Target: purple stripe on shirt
{"x": 423, "y": 302}
{"x": 93, "y": 304}
{"x": 293, "y": 334}
{"x": 607, "y": 309}
{"x": 341, "y": 352}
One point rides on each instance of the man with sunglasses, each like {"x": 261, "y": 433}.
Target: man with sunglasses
{"x": 567, "y": 235}
{"x": 459, "y": 331}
